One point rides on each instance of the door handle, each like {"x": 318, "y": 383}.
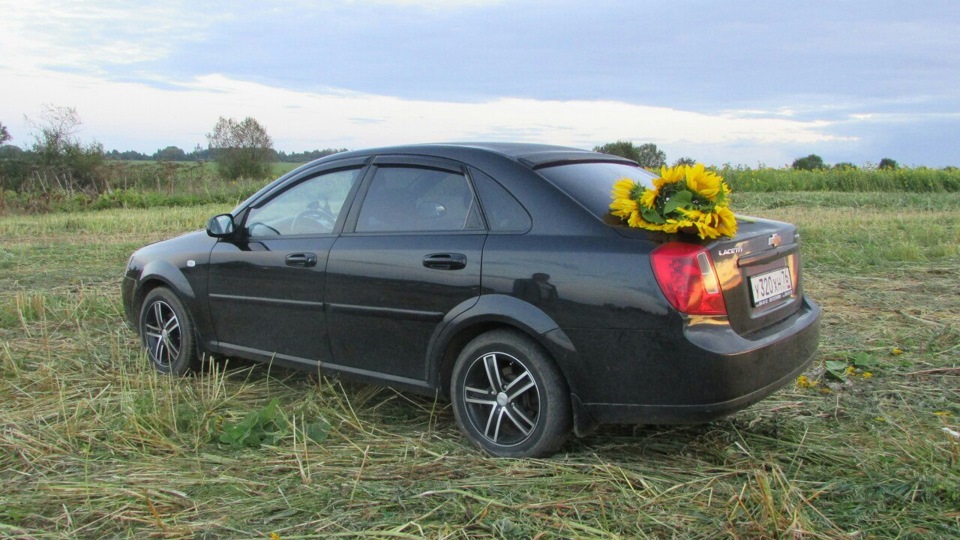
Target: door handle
{"x": 445, "y": 261}
{"x": 301, "y": 259}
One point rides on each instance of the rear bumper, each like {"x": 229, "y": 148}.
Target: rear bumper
{"x": 715, "y": 373}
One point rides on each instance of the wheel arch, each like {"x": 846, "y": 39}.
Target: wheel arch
{"x": 493, "y": 312}
{"x": 163, "y": 274}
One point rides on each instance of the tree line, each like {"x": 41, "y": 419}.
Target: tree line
{"x": 58, "y": 159}
{"x": 199, "y": 153}
{"x": 651, "y": 157}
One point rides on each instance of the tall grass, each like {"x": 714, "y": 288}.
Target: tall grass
{"x": 166, "y": 184}
{"x": 94, "y": 443}
{"x": 140, "y": 185}
{"x": 845, "y": 179}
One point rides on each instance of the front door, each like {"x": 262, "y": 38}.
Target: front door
{"x": 266, "y": 285}
{"x": 410, "y": 258}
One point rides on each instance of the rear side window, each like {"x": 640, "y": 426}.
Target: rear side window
{"x": 503, "y": 212}
{"x": 414, "y": 199}
{"x": 591, "y": 183}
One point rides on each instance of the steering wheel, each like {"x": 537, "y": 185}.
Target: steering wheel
{"x": 324, "y": 219}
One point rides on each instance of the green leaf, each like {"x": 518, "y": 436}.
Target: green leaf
{"x": 864, "y": 361}
{"x": 652, "y": 216}
{"x": 266, "y": 426}
{"x": 318, "y": 431}
{"x": 837, "y": 369}
{"x": 677, "y": 200}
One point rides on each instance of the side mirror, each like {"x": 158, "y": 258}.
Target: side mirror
{"x": 220, "y": 226}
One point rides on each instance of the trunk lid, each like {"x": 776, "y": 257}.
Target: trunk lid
{"x": 759, "y": 272}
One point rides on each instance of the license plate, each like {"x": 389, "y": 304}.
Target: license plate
{"x": 771, "y": 286}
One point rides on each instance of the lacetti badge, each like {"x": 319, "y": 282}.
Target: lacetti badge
{"x": 774, "y": 240}
{"x": 731, "y": 251}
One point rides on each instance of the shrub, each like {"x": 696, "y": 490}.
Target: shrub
{"x": 809, "y": 163}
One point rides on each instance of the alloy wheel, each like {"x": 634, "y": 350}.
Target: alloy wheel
{"x": 162, "y": 333}
{"x": 502, "y": 398}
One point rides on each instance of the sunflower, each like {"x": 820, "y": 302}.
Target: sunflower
{"x": 684, "y": 198}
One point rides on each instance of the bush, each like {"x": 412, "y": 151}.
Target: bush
{"x": 241, "y": 149}
{"x": 809, "y": 163}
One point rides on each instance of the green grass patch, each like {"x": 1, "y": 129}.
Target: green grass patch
{"x": 97, "y": 444}
{"x": 909, "y": 180}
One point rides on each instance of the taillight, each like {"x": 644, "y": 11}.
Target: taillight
{"x": 687, "y": 278}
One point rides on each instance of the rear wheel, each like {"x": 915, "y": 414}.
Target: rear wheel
{"x": 509, "y": 398}
{"x": 167, "y": 332}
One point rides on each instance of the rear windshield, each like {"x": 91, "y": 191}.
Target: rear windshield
{"x": 591, "y": 183}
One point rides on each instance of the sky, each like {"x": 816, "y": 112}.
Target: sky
{"x": 740, "y": 82}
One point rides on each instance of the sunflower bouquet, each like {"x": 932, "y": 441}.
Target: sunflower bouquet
{"x": 684, "y": 198}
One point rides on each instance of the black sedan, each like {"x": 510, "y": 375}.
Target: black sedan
{"x": 491, "y": 274}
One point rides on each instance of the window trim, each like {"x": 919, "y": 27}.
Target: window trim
{"x": 358, "y": 165}
{"x": 418, "y": 162}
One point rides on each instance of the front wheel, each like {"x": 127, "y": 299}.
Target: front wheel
{"x": 167, "y": 333}
{"x": 509, "y": 398}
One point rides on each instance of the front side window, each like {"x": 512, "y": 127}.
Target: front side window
{"x": 308, "y": 208}
{"x": 416, "y": 199}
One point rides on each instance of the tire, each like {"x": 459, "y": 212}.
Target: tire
{"x": 167, "y": 333}
{"x": 509, "y": 398}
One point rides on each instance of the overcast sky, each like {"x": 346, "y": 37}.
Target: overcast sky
{"x": 741, "y": 82}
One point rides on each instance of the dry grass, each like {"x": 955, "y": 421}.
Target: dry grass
{"x": 95, "y": 444}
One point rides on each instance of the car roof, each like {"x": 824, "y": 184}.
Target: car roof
{"x": 530, "y": 154}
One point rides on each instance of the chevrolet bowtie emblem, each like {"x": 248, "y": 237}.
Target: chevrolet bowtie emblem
{"x": 774, "y": 240}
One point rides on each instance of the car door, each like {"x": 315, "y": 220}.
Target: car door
{"x": 409, "y": 255}
{"x": 266, "y": 283}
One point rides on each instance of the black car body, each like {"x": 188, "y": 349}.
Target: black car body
{"x": 490, "y": 273}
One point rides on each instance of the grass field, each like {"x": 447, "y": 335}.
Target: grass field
{"x": 95, "y": 444}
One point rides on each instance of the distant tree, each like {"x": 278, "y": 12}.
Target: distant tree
{"x": 199, "y": 154}
{"x": 685, "y": 161}
{"x": 127, "y": 155}
{"x": 4, "y": 134}
{"x": 808, "y": 163}
{"x": 241, "y": 149}
{"x": 844, "y": 165}
{"x": 647, "y": 155}
{"x": 307, "y": 155}
{"x": 65, "y": 162}
{"x": 887, "y": 163}
{"x": 170, "y": 153}
{"x": 11, "y": 151}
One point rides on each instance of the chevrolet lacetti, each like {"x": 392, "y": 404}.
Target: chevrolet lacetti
{"x": 490, "y": 274}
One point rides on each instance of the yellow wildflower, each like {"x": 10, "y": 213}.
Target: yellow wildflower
{"x": 636, "y": 220}
{"x": 867, "y": 375}
{"x": 896, "y": 351}
{"x": 670, "y": 175}
{"x": 623, "y": 207}
{"x": 623, "y": 189}
{"x": 695, "y": 202}
{"x": 702, "y": 181}
{"x": 649, "y": 198}
{"x": 728, "y": 221}
{"x": 804, "y": 382}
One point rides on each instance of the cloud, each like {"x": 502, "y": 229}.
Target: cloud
{"x": 87, "y": 36}
{"x": 151, "y": 114}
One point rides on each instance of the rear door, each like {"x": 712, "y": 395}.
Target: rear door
{"x": 409, "y": 255}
